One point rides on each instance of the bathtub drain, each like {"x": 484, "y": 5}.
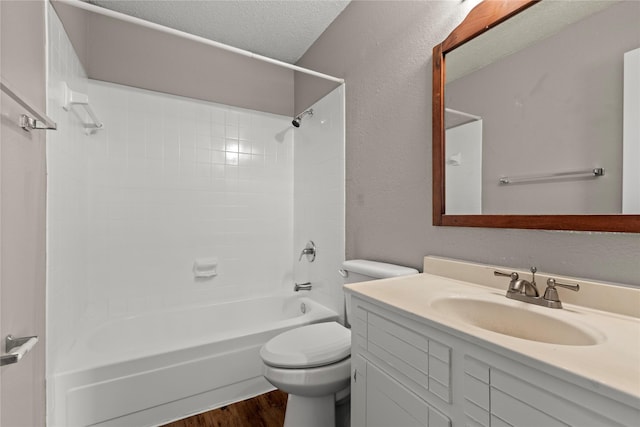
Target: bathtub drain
{"x": 303, "y": 308}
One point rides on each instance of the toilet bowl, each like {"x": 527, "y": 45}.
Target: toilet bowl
{"x": 312, "y": 363}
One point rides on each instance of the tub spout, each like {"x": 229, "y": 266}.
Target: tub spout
{"x": 302, "y": 287}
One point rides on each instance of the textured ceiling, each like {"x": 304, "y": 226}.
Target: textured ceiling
{"x": 282, "y": 30}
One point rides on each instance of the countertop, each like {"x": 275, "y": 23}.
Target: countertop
{"x": 614, "y": 362}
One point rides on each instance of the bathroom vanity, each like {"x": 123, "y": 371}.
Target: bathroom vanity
{"x": 447, "y": 348}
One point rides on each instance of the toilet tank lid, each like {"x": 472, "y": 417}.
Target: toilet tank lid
{"x": 376, "y": 269}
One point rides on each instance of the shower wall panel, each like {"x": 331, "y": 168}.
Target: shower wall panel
{"x": 173, "y": 180}
{"x": 67, "y": 198}
{"x": 319, "y": 198}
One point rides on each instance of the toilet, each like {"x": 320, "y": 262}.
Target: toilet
{"x": 313, "y": 363}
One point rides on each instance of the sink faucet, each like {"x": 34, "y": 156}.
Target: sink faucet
{"x": 525, "y": 287}
{"x": 527, "y": 291}
{"x": 518, "y": 286}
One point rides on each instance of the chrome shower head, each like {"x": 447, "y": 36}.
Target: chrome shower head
{"x": 298, "y": 119}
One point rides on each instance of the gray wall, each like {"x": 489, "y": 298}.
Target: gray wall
{"x": 22, "y": 211}
{"x": 383, "y": 50}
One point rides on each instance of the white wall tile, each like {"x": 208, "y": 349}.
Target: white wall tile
{"x": 67, "y": 196}
{"x": 319, "y": 198}
{"x": 171, "y": 179}
{"x": 186, "y": 192}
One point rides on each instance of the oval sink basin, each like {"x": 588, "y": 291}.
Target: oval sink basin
{"x": 515, "y": 322}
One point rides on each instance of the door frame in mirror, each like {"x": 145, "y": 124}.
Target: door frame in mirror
{"x": 483, "y": 17}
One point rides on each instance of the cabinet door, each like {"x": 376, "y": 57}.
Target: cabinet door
{"x": 388, "y": 403}
{"x": 528, "y": 403}
{"x": 358, "y": 391}
{"x": 515, "y": 395}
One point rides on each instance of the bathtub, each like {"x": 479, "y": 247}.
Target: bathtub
{"x": 155, "y": 368}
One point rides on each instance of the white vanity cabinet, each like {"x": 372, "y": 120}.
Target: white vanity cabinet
{"x": 408, "y": 371}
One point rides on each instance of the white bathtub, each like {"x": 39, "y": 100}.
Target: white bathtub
{"x": 155, "y": 368}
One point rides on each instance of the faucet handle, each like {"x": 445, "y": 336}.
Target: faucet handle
{"x": 551, "y": 293}
{"x": 513, "y": 275}
{"x": 514, "y": 284}
{"x": 551, "y": 283}
{"x": 310, "y": 251}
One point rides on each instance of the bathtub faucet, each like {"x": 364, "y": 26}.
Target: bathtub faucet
{"x": 302, "y": 287}
{"x": 309, "y": 251}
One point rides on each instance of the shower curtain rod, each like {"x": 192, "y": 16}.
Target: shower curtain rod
{"x": 123, "y": 17}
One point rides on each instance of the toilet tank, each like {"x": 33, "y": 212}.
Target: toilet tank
{"x": 362, "y": 270}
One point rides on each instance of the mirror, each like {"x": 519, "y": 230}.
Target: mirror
{"x": 535, "y": 117}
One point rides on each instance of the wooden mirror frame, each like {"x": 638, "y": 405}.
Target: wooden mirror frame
{"x": 484, "y": 16}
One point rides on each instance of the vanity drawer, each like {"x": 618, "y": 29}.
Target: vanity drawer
{"x": 476, "y": 416}
{"x": 476, "y": 393}
{"x": 493, "y": 397}
{"x": 415, "y": 358}
{"x": 358, "y": 342}
{"x": 359, "y": 327}
{"x": 522, "y": 400}
{"x": 476, "y": 369}
{"x": 425, "y": 363}
{"x": 517, "y": 413}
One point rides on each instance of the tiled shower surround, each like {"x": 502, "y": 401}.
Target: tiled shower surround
{"x": 173, "y": 179}
{"x": 170, "y": 180}
{"x": 319, "y": 195}
{"x": 67, "y": 199}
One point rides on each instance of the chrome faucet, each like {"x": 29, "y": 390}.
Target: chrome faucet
{"x": 302, "y": 286}
{"x": 525, "y": 287}
{"x": 525, "y": 291}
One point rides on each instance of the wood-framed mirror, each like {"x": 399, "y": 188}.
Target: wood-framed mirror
{"x": 518, "y": 186}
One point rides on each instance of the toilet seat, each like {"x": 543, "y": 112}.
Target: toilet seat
{"x": 311, "y": 382}
{"x": 309, "y": 346}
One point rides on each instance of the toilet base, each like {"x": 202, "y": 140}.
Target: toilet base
{"x": 310, "y": 411}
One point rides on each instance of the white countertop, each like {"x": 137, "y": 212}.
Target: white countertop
{"x": 614, "y": 362}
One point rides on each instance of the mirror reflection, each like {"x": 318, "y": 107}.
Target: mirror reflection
{"x": 542, "y": 113}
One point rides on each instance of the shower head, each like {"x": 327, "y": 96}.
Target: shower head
{"x": 298, "y": 119}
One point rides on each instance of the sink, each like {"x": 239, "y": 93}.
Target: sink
{"x": 521, "y": 322}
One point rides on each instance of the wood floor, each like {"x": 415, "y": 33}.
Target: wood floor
{"x": 266, "y": 410}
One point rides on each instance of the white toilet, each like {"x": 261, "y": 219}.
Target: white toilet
{"x": 312, "y": 363}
